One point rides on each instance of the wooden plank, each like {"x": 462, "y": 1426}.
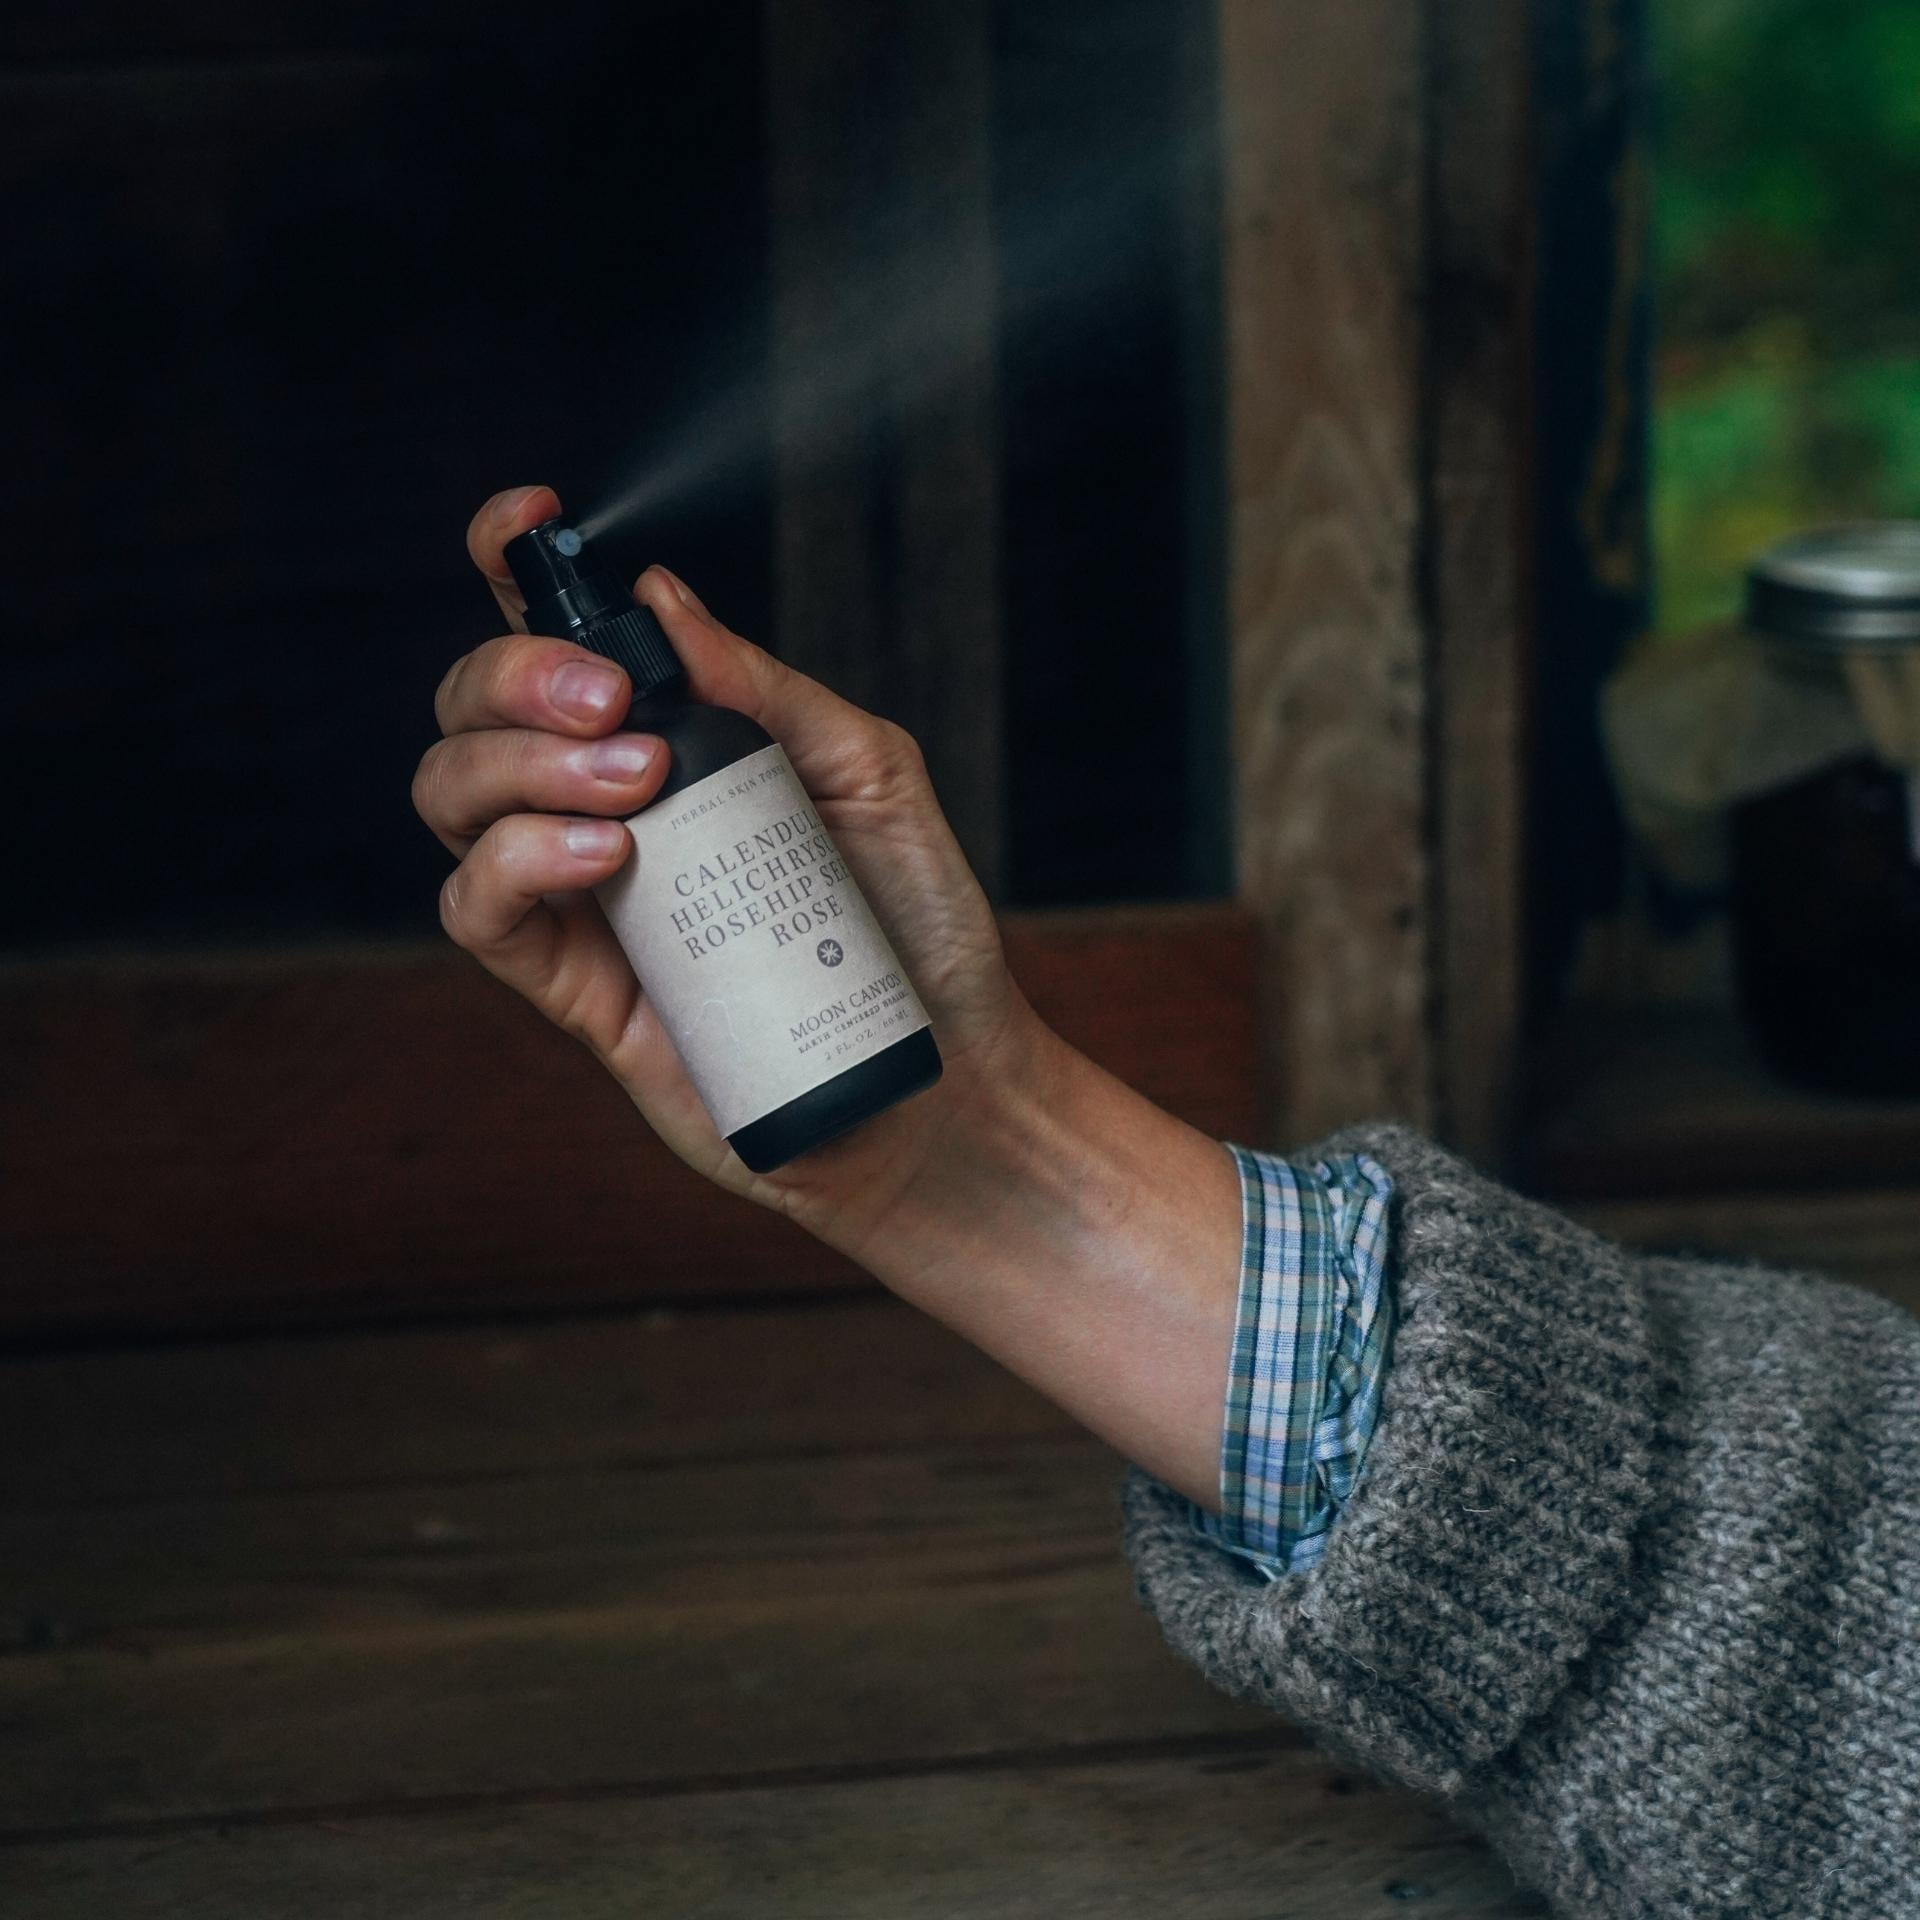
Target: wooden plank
{"x": 1207, "y": 1836}
{"x": 1591, "y": 177}
{"x": 1662, "y": 1128}
{"x": 367, "y": 1133}
{"x": 197, "y": 1575}
{"x": 549, "y": 1633}
{"x": 886, "y": 524}
{"x": 433, "y": 1406}
{"x": 1477, "y": 318}
{"x": 426, "y": 1406}
{"x": 1323, "y": 265}
{"x": 1646, "y": 1101}
{"x": 1870, "y": 1238}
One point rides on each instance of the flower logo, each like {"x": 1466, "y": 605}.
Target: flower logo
{"x": 831, "y": 953}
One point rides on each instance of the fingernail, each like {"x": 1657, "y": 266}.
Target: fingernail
{"x": 678, "y": 585}
{"x": 586, "y": 689}
{"x": 593, "y": 839}
{"x": 626, "y": 756}
{"x": 510, "y": 503}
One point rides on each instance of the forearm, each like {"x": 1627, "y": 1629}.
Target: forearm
{"x": 1090, "y": 1242}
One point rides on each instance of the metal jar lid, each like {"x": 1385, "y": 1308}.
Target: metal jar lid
{"x": 1850, "y": 586}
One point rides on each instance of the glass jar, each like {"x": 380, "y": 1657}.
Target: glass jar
{"x": 1826, "y": 869}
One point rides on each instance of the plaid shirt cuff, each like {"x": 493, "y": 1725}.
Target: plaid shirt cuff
{"x": 1309, "y": 1354}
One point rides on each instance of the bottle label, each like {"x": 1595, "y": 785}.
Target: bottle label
{"x": 753, "y": 942}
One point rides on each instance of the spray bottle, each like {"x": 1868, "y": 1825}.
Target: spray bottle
{"x": 789, "y": 1009}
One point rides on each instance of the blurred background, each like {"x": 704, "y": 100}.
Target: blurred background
{"x": 1787, "y": 284}
{"x": 1336, "y": 509}
{"x": 1349, "y": 522}
{"x": 932, "y": 331}
{"x": 1313, "y": 477}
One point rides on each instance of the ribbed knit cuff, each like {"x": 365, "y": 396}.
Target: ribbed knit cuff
{"x": 1489, "y": 1538}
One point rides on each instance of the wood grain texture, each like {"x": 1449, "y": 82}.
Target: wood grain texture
{"x": 369, "y": 1133}
{"x": 432, "y": 1406}
{"x": 194, "y": 1576}
{"x": 1648, "y": 1102}
{"x": 886, "y": 527}
{"x": 1207, "y": 1836}
{"x": 501, "y": 1648}
{"x": 1664, "y": 1129}
{"x": 1323, "y": 244}
{"x": 1478, "y": 321}
{"x": 552, "y": 1633}
{"x": 1870, "y": 1238}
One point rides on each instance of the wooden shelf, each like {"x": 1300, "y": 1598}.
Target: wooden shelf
{"x": 1628, "y": 1105}
{"x": 1666, "y": 1131}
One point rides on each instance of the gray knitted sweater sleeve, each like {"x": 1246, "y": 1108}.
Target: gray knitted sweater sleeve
{"x": 1631, "y": 1579}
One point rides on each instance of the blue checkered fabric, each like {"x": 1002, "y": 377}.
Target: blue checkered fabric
{"x": 1309, "y": 1354}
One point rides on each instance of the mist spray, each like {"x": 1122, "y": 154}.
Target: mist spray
{"x": 789, "y": 1009}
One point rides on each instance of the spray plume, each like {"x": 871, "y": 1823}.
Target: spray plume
{"x": 896, "y": 335}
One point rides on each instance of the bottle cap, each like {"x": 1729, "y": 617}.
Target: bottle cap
{"x": 1840, "y": 587}
{"x": 572, "y": 593}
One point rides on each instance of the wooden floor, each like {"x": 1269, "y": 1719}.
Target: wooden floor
{"x": 796, "y": 1610}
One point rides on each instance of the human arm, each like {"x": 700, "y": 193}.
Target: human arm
{"x": 1631, "y": 1579}
{"x": 1029, "y": 1199}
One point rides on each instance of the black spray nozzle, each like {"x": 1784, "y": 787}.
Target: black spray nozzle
{"x": 572, "y": 593}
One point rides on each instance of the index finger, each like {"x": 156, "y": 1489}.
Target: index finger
{"x": 505, "y": 517}
{"x": 529, "y": 680}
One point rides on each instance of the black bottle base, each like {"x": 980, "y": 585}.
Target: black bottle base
{"x": 840, "y": 1104}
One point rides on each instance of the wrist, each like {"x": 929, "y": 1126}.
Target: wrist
{"x": 901, "y": 1207}
{"x": 1083, "y": 1236}
{"x": 996, "y": 1171}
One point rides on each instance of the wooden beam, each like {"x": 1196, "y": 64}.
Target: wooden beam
{"x": 1322, "y": 159}
{"x": 1478, "y": 323}
{"x": 362, "y": 1134}
{"x": 1187, "y": 1834}
{"x": 886, "y": 526}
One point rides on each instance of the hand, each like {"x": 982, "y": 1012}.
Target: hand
{"x": 520, "y": 788}
{"x": 1040, "y": 1207}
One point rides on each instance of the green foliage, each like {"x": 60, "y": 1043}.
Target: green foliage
{"x": 1787, "y": 263}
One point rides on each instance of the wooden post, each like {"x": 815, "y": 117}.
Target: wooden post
{"x": 1477, "y": 317}
{"x": 1322, "y": 159}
